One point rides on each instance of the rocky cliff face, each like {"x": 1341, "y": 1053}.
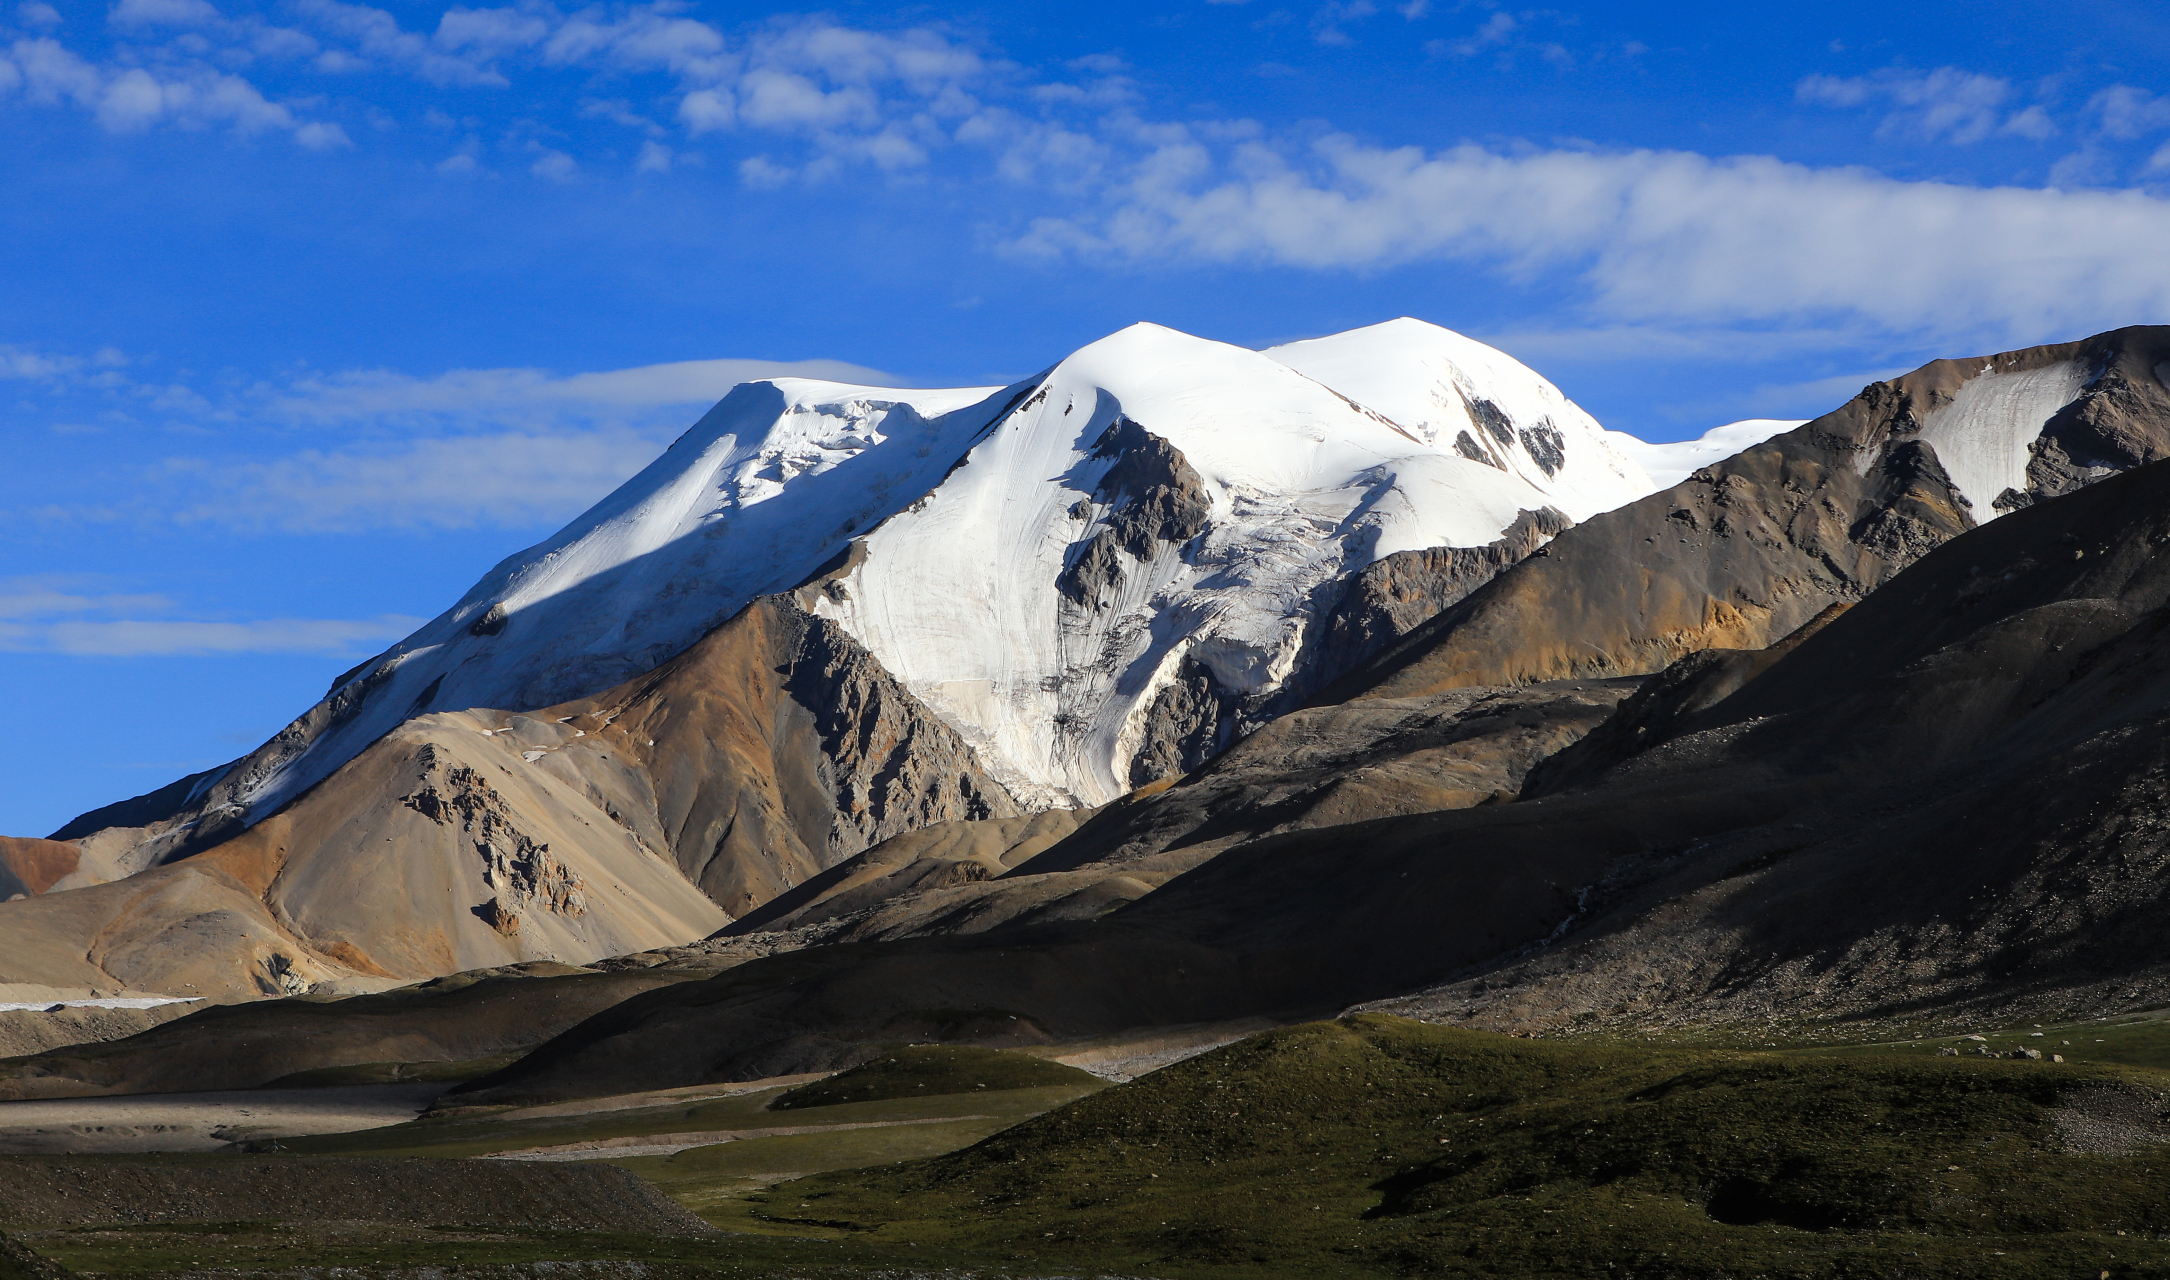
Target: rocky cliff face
{"x": 1149, "y": 496}
{"x": 1395, "y": 594}
{"x": 777, "y": 747}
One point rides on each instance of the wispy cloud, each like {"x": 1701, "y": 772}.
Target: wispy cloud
{"x": 1946, "y": 104}
{"x": 134, "y": 99}
{"x": 470, "y": 448}
{"x": 1495, "y": 31}
{"x": 1659, "y": 235}
{"x": 534, "y": 398}
{"x": 513, "y": 480}
{"x": 43, "y": 615}
{"x": 2126, "y": 112}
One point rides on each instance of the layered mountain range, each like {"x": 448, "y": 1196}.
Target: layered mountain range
{"x": 1184, "y": 682}
{"x": 825, "y": 616}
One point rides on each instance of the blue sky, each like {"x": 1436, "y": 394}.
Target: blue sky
{"x": 311, "y": 311}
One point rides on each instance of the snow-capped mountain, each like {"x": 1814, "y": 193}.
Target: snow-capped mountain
{"x": 830, "y": 616}
{"x": 1036, "y": 562}
{"x": 1158, "y": 498}
{"x": 775, "y": 479}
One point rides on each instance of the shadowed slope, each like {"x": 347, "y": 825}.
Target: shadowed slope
{"x": 454, "y": 1020}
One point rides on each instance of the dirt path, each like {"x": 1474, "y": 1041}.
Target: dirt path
{"x": 201, "y": 1121}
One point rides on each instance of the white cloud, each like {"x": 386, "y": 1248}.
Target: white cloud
{"x": 654, "y": 158}
{"x": 762, "y": 173}
{"x": 164, "y": 13}
{"x": 135, "y": 99}
{"x": 532, "y": 398}
{"x": 1945, "y": 104}
{"x": 1654, "y": 344}
{"x": 48, "y": 615}
{"x": 1662, "y": 234}
{"x": 514, "y": 479}
{"x": 319, "y": 136}
{"x": 555, "y": 166}
{"x": 707, "y": 111}
{"x": 377, "y": 35}
{"x": 129, "y": 638}
{"x": 20, "y": 362}
{"x": 619, "y": 111}
{"x": 36, "y": 13}
{"x": 2032, "y": 123}
{"x": 783, "y": 99}
{"x": 491, "y": 33}
{"x": 1491, "y": 33}
{"x": 22, "y": 598}
{"x": 2130, "y": 113}
{"x": 1326, "y": 22}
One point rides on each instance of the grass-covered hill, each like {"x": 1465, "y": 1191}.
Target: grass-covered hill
{"x": 1380, "y": 1146}
{"x": 933, "y": 1070}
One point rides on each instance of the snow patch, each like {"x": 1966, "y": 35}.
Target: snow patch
{"x": 1671, "y": 462}
{"x": 1439, "y": 384}
{"x": 1981, "y": 437}
{"x": 97, "y": 1002}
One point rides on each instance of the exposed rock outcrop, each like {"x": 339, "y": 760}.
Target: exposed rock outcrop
{"x": 1151, "y": 495}
{"x": 2121, "y": 420}
{"x": 1395, "y": 594}
{"x": 774, "y": 749}
{"x": 1189, "y": 721}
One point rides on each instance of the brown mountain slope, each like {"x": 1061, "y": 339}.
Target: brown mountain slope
{"x": 33, "y": 866}
{"x": 772, "y": 749}
{"x": 1749, "y": 549}
{"x": 1951, "y": 794}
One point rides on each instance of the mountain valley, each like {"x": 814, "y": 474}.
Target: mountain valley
{"x": 1353, "y": 719}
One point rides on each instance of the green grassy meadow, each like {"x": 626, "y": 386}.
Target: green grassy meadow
{"x": 1378, "y": 1146}
{"x": 1365, "y": 1147}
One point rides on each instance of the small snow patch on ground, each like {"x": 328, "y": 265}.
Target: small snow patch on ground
{"x": 99, "y": 1002}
